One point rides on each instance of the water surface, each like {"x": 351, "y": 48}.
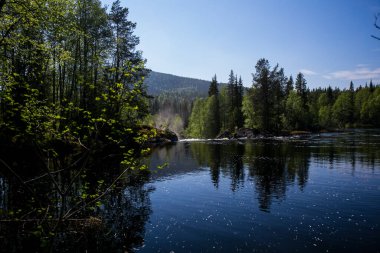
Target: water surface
{"x": 317, "y": 194}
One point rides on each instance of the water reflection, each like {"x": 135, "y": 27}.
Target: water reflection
{"x": 272, "y": 165}
{"x": 211, "y": 192}
{"x": 63, "y": 207}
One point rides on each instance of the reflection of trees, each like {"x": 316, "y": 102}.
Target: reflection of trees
{"x": 275, "y": 165}
{"x": 271, "y": 165}
{"x": 214, "y": 164}
{"x": 124, "y": 214}
{"x": 358, "y": 148}
{"x": 266, "y": 168}
{"x": 66, "y": 208}
{"x": 222, "y": 159}
{"x": 233, "y": 164}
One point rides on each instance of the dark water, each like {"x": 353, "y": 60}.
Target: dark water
{"x": 317, "y": 194}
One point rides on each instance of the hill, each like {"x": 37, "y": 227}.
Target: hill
{"x": 159, "y": 83}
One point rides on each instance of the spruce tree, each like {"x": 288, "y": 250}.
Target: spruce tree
{"x": 289, "y": 86}
{"x": 231, "y": 94}
{"x": 239, "y": 103}
{"x": 351, "y": 105}
{"x": 262, "y": 89}
{"x": 301, "y": 88}
{"x": 371, "y": 87}
{"x": 213, "y": 89}
{"x": 214, "y": 118}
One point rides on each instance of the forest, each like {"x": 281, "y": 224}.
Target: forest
{"x": 276, "y": 104}
{"x": 70, "y": 72}
{"x": 72, "y": 103}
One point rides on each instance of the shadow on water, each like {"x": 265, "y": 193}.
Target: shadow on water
{"x": 76, "y": 203}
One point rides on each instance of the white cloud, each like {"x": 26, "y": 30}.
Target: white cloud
{"x": 307, "y": 72}
{"x": 356, "y": 74}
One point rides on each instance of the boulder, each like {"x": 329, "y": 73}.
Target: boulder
{"x": 245, "y": 133}
{"x": 226, "y": 134}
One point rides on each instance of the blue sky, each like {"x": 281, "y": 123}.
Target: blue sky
{"x": 328, "y": 40}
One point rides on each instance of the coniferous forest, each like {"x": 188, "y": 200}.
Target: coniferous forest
{"x": 276, "y": 104}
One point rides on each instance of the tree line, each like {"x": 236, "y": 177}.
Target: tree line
{"x": 275, "y": 103}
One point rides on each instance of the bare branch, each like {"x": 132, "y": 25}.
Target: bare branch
{"x": 19, "y": 178}
{"x": 376, "y": 26}
{"x": 72, "y": 211}
{"x": 376, "y": 18}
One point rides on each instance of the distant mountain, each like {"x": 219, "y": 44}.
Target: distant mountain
{"x": 159, "y": 83}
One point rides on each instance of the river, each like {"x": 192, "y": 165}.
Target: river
{"x": 317, "y": 193}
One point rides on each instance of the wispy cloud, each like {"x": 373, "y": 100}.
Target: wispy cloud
{"x": 307, "y": 72}
{"x": 359, "y": 73}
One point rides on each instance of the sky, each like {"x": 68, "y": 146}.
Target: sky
{"x": 329, "y": 41}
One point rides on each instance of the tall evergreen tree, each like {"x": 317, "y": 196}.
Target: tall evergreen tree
{"x": 214, "y": 119}
{"x": 301, "y": 88}
{"x": 371, "y": 87}
{"x": 289, "y": 86}
{"x": 351, "y": 109}
{"x": 279, "y": 81}
{"x": 231, "y": 100}
{"x": 213, "y": 89}
{"x": 239, "y": 103}
{"x": 330, "y": 95}
{"x": 262, "y": 100}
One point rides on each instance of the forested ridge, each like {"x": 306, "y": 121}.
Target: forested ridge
{"x": 172, "y": 99}
{"x": 158, "y": 83}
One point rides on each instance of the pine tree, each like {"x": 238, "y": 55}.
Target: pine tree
{"x": 289, "y": 86}
{"x": 239, "y": 103}
{"x": 301, "y": 88}
{"x": 351, "y": 106}
{"x": 261, "y": 99}
{"x": 330, "y": 95}
{"x": 371, "y": 87}
{"x": 231, "y": 100}
{"x": 213, "y": 89}
{"x": 279, "y": 82}
{"x": 214, "y": 119}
